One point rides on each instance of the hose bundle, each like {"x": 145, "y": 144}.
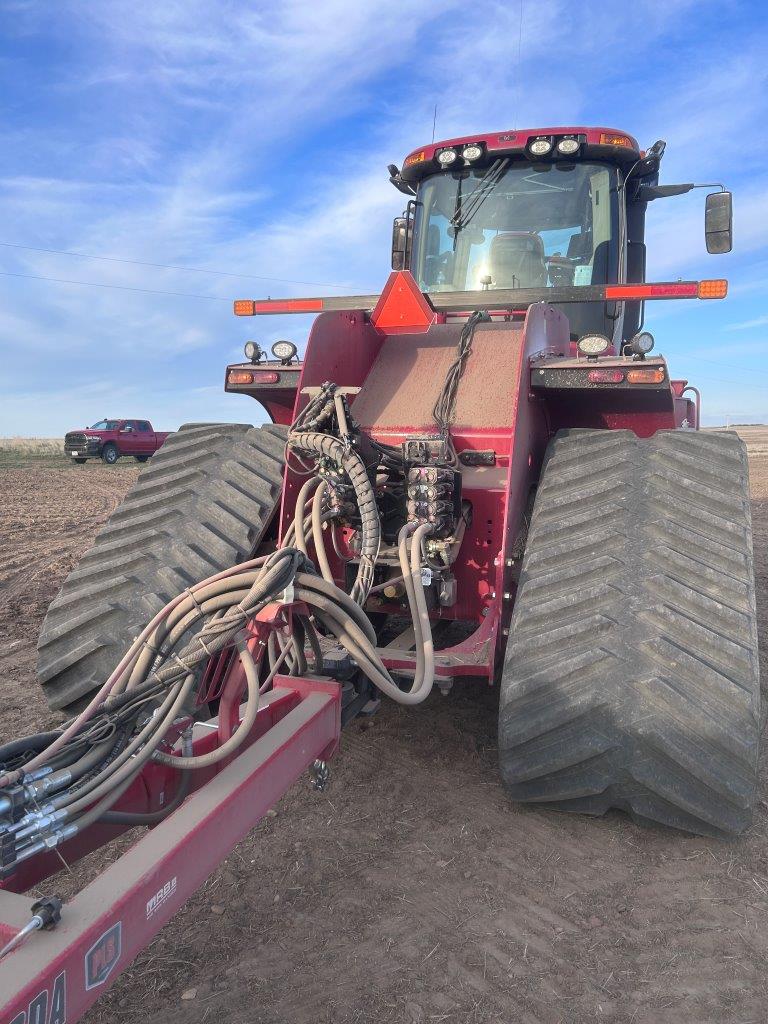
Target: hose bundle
{"x": 444, "y": 409}
{"x": 348, "y": 460}
{"x": 72, "y": 779}
{"x": 53, "y": 785}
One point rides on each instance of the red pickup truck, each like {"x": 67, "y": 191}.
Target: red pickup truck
{"x": 109, "y": 439}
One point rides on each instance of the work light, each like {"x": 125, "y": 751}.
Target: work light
{"x": 593, "y": 344}
{"x": 253, "y": 351}
{"x": 284, "y": 351}
{"x": 472, "y": 152}
{"x": 568, "y": 146}
{"x": 446, "y": 157}
{"x": 641, "y": 344}
{"x": 540, "y": 147}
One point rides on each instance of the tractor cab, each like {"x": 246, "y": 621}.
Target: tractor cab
{"x": 537, "y": 209}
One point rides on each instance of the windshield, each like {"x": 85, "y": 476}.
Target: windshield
{"x": 104, "y": 425}
{"x": 522, "y": 226}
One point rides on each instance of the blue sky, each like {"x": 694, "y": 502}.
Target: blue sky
{"x": 253, "y": 138}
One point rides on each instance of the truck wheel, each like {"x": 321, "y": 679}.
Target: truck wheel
{"x": 202, "y": 505}
{"x": 80, "y": 462}
{"x": 631, "y": 675}
{"x": 141, "y": 458}
{"x": 110, "y": 454}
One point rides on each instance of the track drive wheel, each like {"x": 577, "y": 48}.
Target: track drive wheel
{"x": 201, "y": 505}
{"x": 631, "y": 675}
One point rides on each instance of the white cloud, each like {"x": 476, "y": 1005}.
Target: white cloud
{"x": 759, "y": 321}
{"x": 208, "y": 97}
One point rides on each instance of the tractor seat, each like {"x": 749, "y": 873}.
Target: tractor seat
{"x": 517, "y": 260}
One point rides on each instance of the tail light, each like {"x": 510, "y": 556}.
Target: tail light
{"x": 654, "y": 376}
{"x": 606, "y": 376}
{"x": 252, "y": 377}
{"x": 239, "y": 377}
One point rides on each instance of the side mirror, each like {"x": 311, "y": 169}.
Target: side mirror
{"x": 399, "y": 242}
{"x": 718, "y": 222}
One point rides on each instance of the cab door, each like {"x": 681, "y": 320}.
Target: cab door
{"x": 129, "y": 438}
{"x": 145, "y": 438}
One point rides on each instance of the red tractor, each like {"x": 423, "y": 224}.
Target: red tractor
{"x": 484, "y": 473}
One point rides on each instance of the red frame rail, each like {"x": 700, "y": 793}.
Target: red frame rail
{"x": 55, "y": 976}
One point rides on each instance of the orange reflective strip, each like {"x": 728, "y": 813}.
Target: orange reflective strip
{"x": 288, "y": 306}
{"x": 251, "y": 307}
{"x": 674, "y": 290}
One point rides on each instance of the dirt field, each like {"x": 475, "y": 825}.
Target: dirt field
{"x": 411, "y": 890}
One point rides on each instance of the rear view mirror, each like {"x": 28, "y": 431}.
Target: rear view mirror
{"x": 718, "y": 222}
{"x": 399, "y": 242}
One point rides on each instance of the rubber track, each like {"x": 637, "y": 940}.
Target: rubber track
{"x": 201, "y": 505}
{"x": 631, "y": 674}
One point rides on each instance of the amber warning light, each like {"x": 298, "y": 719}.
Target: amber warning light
{"x": 253, "y": 377}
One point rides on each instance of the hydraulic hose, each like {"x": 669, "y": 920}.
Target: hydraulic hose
{"x": 352, "y": 609}
{"x": 317, "y": 532}
{"x": 329, "y": 447}
{"x": 238, "y": 736}
{"x": 151, "y": 817}
{"x": 27, "y": 744}
{"x": 331, "y": 610}
{"x": 128, "y": 659}
{"x": 151, "y": 737}
{"x": 298, "y": 522}
{"x": 135, "y": 754}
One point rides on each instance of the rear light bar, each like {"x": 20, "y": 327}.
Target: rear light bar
{"x": 569, "y": 374}
{"x": 499, "y": 298}
{"x": 253, "y": 307}
{"x": 717, "y": 289}
{"x": 253, "y": 377}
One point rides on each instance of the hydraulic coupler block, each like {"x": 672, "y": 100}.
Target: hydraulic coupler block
{"x": 434, "y": 496}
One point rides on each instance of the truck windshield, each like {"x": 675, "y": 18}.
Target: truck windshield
{"x": 529, "y": 226}
{"x": 105, "y": 425}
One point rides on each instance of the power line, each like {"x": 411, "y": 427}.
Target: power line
{"x": 167, "y": 266}
{"x": 120, "y": 287}
{"x": 738, "y": 383}
{"x": 729, "y": 366}
{"x": 219, "y": 298}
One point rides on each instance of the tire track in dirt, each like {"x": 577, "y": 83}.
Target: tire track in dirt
{"x": 48, "y": 518}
